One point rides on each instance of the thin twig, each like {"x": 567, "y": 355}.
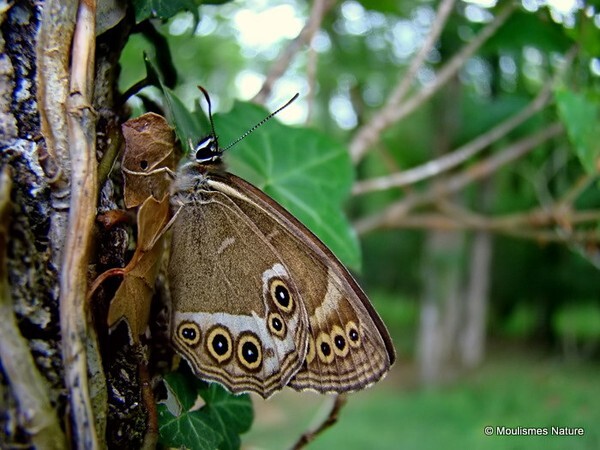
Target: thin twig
{"x": 394, "y": 212}
{"x": 446, "y": 162}
{"x": 27, "y": 384}
{"x": 81, "y": 121}
{"x": 371, "y": 132}
{"x": 311, "y": 76}
{"x": 463, "y": 153}
{"x": 502, "y": 225}
{"x": 320, "y": 7}
{"x": 578, "y": 188}
{"x": 398, "y": 94}
{"x": 338, "y": 403}
{"x": 534, "y": 219}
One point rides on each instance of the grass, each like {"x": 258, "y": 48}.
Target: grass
{"x": 513, "y": 389}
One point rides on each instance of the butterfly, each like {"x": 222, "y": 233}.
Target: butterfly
{"x": 259, "y": 302}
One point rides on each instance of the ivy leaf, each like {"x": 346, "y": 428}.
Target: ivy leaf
{"x": 133, "y": 298}
{"x": 147, "y": 159}
{"x": 217, "y": 423}
{"x": 230, "y": 415}
{"x": 307, "y": 172}
{"x": 534, "y": 30}
{"x": 188, "y": 125}
{"x": 580, "y": 113}
{"x": 163, "y": 9}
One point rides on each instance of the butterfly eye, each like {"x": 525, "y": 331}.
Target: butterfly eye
{"x": 324, "y": 349}
{"x": 281, "y": 295}
{"x": 276, "y": 325}
{"x": 189, "y": 333}
{"x": 219, "y": 344}
{"x": 338, "y": 338}
{"x": 143, "y": 164}
{"x": 207, "y": 149}
{"x": 249, "y": 351}
{"x": 352, "y": 334}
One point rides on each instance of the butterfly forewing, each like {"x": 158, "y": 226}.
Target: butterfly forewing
{"x": 348, "y": 345}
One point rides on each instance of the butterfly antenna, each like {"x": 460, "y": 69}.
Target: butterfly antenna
{"x": 270, "y": 116}
{"x": 210, "y": 118}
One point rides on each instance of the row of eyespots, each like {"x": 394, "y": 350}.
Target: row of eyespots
{"x": 282, "y": 297}
{"x": 332, "y": 344}
{"x": 220, "y": 346}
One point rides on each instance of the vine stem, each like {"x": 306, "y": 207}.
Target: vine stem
{"x": 338, "y": 403}
{"x": 81, "y": 123}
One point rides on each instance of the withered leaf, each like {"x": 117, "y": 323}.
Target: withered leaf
{"x": 148, "y": 160}
{"x": 132, "y": 300}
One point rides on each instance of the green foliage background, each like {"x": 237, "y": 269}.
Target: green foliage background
{"x": 541, "y": 292}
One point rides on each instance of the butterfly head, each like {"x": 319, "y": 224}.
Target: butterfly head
{"x": 207, "y": 150}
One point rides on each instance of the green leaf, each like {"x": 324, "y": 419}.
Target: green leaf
{"x": 384, "y": 6}
{"x": 188, "y": 125}
{"x": 586, "y": 34}
{"x": 230, "y": 415}
{"x": 217, "y": 423}
{"x": 580, "y": 113}
{"x": 534, "y": 29}
{"x": 163, "y": 9}
{"x": 307, "y": 172}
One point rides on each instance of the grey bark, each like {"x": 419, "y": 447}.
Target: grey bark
{"x": 35, "y": 45}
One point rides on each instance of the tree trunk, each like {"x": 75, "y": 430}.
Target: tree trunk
{"x": 440, "y": 305}
{"x": 472, "y": 337}
{"x": 59, "y": 113}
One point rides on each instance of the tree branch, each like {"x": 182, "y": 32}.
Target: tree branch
{"x": 460, "y": 155}
{"x": 338, "y": 403}
{"x": 398, "y": 210}
{"x": 530, "y": 225}
{"x": 453, "y": 217}
{"x": 370, "y": 133}
{"x": 320, "y": 7}
{"x": 398, "y": 94}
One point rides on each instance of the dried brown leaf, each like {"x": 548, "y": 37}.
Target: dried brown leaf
{"x": 148, "y": 159}
{"x": 132, "y": 300}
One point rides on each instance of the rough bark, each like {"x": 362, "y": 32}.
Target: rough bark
{"x": 42, "y": 101}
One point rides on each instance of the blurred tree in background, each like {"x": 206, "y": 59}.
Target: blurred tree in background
{"x": 470, "y": 122}
{"x": 472, "y": 127}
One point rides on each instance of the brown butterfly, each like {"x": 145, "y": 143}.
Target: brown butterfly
{"x": 259, "y": 302}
